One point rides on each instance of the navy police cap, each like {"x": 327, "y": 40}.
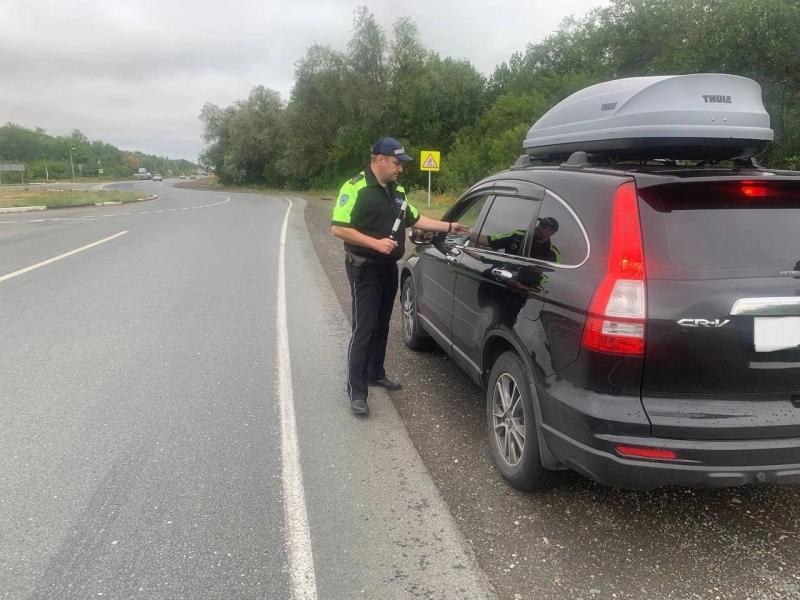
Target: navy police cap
{"x": 550, "y": 222}
{"x": 390, "y": 147}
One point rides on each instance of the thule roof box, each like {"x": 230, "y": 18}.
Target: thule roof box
{"x": 704, "y": 116}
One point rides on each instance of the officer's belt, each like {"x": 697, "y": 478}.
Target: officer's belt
{"x": 359, "y": 260}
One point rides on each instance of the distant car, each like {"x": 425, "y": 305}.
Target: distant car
{"x": 158, "y": 177}
{"x": 182, "y": 177}
{"x": 192, "y": 177}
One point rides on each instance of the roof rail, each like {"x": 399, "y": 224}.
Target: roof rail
{"x": 577, "y": 159}
{"x": 749, "y": 161}
{"x": 523, "y": 160}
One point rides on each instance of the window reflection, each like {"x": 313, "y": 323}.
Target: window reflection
{"x": 542, "y": 246}
{"x": 558, "y": 237}
{"x": 507, "y": 225}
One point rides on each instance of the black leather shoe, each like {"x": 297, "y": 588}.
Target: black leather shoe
{"x": 386, "y": 384}
{"x": 359, "y": 406}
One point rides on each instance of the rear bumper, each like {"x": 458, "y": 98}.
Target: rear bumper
{"x": 727, "y": 463}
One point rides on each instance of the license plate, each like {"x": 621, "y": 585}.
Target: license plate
{"x": 776, "y": 333}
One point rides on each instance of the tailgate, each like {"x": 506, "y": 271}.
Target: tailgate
{"x": 722, "y": 358}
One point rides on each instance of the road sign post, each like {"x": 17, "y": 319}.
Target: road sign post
{"x": 72, "y": 164}
{"x": 429, "y": 189}
{"x": 430, "y": 160}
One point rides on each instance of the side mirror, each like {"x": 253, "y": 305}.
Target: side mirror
{"x": 417, "y": 237}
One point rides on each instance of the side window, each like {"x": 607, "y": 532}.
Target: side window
{"x": 506, "y": 225}
{"x": 467, "y": 215}
{"x": 558, "y": 237}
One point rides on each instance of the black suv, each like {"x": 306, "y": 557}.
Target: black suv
{"x": 639, "y": 324}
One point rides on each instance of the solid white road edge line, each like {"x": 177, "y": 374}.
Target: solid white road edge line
{"x": 298, "y": 535}
{"x": 60, "y": 256}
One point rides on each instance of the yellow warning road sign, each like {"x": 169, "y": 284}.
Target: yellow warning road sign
{"x": 429, "y": 160}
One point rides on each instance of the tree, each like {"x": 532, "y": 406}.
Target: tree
{"x": 48, "y": 156}
{"x": 494, "y": 142}
{"x": 319, "y": 106}
{"x": 366, "y": 58}
{"x": 342, "y": 101}
{"x": 246, "y": 141}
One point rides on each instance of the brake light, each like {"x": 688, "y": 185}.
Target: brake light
{"x": 645, "y": 452}
{"x": 616, "y": 320}
{"x": 751, "y": 189}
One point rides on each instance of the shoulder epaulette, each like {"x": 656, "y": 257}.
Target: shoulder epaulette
{"x": 357, "y": 178}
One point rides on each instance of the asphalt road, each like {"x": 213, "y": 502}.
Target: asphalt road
{"x": 144, "y": 428}
{"x": 141, "y": 440}
{"x": 580, "y": 540}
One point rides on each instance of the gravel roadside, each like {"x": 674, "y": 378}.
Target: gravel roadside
{"x": 579, "y": 539}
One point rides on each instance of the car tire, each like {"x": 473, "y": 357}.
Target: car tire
{"x": 511, "y": 425}
{"x": 413, "y": 334}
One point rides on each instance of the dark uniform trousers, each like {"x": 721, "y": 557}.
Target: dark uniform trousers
{"x": 373, "y": 287}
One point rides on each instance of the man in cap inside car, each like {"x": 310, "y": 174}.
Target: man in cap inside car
{"x": 370, "y": 216}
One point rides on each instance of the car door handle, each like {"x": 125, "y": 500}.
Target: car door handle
{"x": 502, "y": 274}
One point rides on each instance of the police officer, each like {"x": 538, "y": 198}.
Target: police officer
{"x": 369, "y": 216}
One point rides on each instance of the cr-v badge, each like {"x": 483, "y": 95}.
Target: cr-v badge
{"x": 703, "y": 322}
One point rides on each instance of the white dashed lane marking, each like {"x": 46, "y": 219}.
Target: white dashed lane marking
{"x": 60, "y": 256}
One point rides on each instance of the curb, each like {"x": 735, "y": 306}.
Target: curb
{"x": 12, "y": 209}
{"x": 153, "y": 197}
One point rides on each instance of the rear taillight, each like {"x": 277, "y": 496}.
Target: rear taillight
{"x": 645, "y": 452}
{"x": 616, "y": 320}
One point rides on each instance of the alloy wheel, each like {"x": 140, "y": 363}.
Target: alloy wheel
{"x": 509, "y": 419}
{"x": 408, "y": 312}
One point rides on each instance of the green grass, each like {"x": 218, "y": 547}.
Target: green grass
{"x": 61, "y": 198}
{"x": 439, "y": 203}
{"x": 68, "y": 179}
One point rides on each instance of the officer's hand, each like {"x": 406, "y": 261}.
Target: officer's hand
{"x": 385, "y": 246}
{"x": 459, "y": 229}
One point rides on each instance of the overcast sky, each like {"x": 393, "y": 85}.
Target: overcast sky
{"x": 136, "y": 73}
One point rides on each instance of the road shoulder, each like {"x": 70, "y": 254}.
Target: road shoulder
{"x": 378, "y": 522}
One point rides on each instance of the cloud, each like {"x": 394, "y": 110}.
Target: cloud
{"x": 137, "y": 74}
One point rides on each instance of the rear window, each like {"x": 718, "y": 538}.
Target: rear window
{"x": 566, "y": 243}
{"x": 722, "y": 229}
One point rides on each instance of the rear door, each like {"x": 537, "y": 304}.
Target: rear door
{"x": 722, "y": 357}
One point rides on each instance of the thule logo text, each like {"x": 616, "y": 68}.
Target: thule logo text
{"x": 718, "y": 99}
{"x": 692, "y": 323}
